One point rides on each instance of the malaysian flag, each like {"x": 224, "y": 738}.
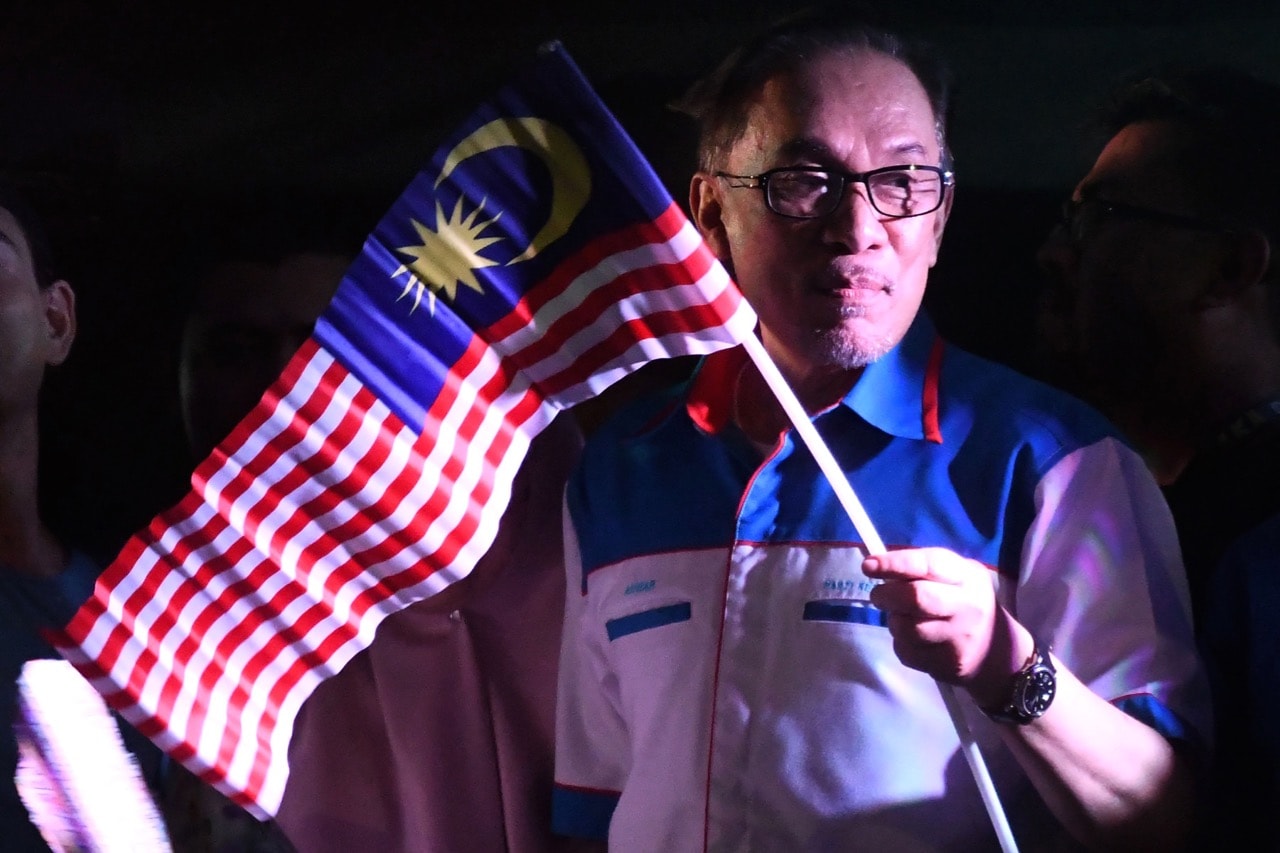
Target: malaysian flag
{"x": 536, "y": 260}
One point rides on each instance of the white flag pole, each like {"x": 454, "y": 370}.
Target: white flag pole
{"x": 844, "y": 492}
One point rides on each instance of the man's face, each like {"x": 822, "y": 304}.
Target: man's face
{"x": 249, "y": 320}
{"x": 1119, "y": 317}
{"x": 839, "y": 291}
{"x": 32, "y": 335}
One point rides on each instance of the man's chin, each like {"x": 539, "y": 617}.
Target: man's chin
{"x": 838, "y": 348}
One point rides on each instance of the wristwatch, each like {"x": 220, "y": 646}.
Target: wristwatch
{"x": 1033, "y": 690}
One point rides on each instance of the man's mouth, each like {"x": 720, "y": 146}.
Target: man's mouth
{"x": 858, "y": 281}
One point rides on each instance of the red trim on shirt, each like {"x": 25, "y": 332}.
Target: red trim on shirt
{"x": 710, "y": 400}
{"x": 929, "y": 403}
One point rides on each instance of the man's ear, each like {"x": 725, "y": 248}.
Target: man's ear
{"x": 1251, "y": 260}
{"x": 1243, "y": 261}
{"x": 706, "y": 209}
{"x": 60, "y": 321}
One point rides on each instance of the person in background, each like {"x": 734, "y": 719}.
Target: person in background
{"x": 41, "y": 577}
{"x": 737, "y": 670}
{"x": 1163, "y": 309}
{"x": 248, "y": 318}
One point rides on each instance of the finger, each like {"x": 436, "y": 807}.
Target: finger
{"x": 924, "y": 644}
{"x": 908, "y": 564}
{"x": 938, "y": 660}
{"x": 937, "y": 564}
{"x": 918, "y": 598}
{"x": 935, "y": 635}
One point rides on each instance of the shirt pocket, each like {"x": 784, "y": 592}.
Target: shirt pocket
{"x": 648, "y": 619}
{"x": 843, "y": 611}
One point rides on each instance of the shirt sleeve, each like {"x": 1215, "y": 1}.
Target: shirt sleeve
{"x": 591, "y": 738}
{"x": 1102, "y": 582}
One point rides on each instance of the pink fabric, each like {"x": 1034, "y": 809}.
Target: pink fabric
{"x": 439, "y": 736}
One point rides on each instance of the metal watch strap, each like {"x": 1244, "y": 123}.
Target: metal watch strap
{"x": 1032, "y": 690}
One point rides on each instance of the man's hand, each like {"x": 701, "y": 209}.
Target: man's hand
{"x": 944, "y": 619}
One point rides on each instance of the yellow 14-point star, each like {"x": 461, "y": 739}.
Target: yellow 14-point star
{"x": 447, "y": 256}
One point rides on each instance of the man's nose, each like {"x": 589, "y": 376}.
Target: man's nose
{"x": 1058, "y": 251}
{"x": 855, "y": 223}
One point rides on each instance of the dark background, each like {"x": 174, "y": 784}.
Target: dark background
{"x": 133, "y": 122}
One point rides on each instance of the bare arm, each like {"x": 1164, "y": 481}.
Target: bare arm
{"x": 1112, "y": 780}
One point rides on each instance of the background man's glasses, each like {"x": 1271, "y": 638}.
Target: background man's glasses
{"x": 809, "y": 192}
{"x": 1081, "y": 216}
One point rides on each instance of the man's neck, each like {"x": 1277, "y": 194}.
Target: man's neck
{"x": 816, "y": 386}
{"x": 1238, "y": 367}
{"x": 26, "y": 545}
{"x": 1172, "y": 436}
{"x": 760, "y": 415}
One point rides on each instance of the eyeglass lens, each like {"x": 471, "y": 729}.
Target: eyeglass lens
{"x": 896, "y": 192}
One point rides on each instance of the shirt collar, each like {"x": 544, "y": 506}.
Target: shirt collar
{"x": 897, "y": 393}
{"x": 713, "y": 388}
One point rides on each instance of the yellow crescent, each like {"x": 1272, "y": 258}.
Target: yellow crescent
{"x": 570, "y": 175}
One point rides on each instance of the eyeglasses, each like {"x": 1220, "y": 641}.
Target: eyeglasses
{"x": 810, "y": 192}
{"x": 1081, "y": 216}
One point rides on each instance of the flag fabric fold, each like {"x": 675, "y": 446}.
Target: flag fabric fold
{"x": 533, "y": 262}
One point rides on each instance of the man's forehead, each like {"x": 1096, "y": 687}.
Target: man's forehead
{"x": 809, "y": 147}
{"x": 1142, "y": 163}
{"x": 296, "y": 288}
{"x": 11, "y": 232}
{"x": 822, "y": 105}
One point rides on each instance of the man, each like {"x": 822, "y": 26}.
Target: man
{"x": 727, "y": 682}
{"x": 1163, "y": 300}
{"x": 38, "y": 316}
{"x": 1166, "y": 314}
{"x": 251, "y": 312}
{"x": 37, "y": 328}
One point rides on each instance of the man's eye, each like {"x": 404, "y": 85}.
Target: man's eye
{"x": 900, "y": 184}
{"x": 800, "y": 184}
{"x": 914, "y": 187}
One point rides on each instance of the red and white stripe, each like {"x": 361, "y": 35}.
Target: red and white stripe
{"x": 323, "y": 513}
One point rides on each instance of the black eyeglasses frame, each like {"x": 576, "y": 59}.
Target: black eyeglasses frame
{"x": 1070, "y": 216}
{"x": 761, "y": 182}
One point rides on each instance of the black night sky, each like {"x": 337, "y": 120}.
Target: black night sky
{"x": 131, "y": 122}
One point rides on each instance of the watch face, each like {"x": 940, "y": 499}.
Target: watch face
{"x": 1038, "y": 691}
